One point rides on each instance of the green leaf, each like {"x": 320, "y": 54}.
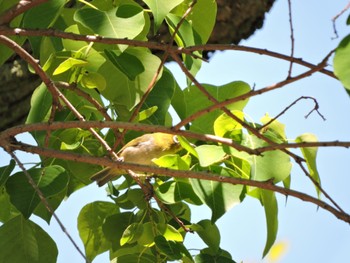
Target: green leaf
{"x": 139, "y": 258}
{"x": 274, "y": 165}
{"x": 168, "y": 247}
{"x": 114, "y": 226}
{"x": 172, "y": 161}
{"x": 172, "y": 192}
{"x": 51, "y": 180}
{"x": 5, "y": 171}
{"x": 275, "y": 130}
{"x": 128, "y": 64}
{"x": 7, "y": 210}
{"x": 225, "y": 125}
{"x": 310, "y": 154}
{"x": 209, "y": 154}
{"x": 148, "y": 233}
{"x": 145, "y": 114}
{"x": 124, "y": 21}
{"x": 186, "y": 36}
{"x": 90, "y": 222}
{"x": 341, "y": 63}
{"x": 202, "y": 16}
{"x": 209, "y": 233}
{"x": 160, "y": 8}
{"x": 195, "y": 100}
{"x": 42, "y": 16}
{"x": 68, "y": 64}
{"x": 54, "y": 202}
{"x": 208, "y": 258}
{"x": 40, "y": 105}
{"x": 23, "y": 241}
{"x": 91, "y": 80}
{"x": 269, "y": 201}
{"x": 161, "y": 96}
{"x": 220, "y": 197}
{"x": 186, "y": 145}
{"x": 120, "y": 89}
{"x": 169, "y": 232}
{"x": 16, "y": 22}
{"x": 131, "y": 234}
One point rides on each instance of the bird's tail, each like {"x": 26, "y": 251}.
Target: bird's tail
{"x": 104, "y": 176}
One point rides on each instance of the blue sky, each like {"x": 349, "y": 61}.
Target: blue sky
{"x": 312, "y": 235}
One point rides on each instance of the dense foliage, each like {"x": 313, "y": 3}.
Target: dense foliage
{"x": 97, "y": 65}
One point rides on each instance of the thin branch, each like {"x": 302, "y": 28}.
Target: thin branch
{"x": 303, "y": 145}
{"x": 315, "y": 108}
{"x": 20, "y": 8}
{"x": 154, "y": 45}
{"x": 180, "y": 174}
{"x": 45, "y": 202}
{"x": 336, "y": 17}
{"x": 291, "y": 37}
{"x": 13, "y": 131}
{"x": 86, "y": 96}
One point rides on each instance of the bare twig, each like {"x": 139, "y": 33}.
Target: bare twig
{"x": 315, "y": 108}
{"x": 336, "y": 17}
{"x": 303, "y": 145}
{"x": 291, "y": 37}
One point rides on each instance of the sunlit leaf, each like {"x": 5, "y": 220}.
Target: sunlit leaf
{"x": 269, "y": 201}
{"x": 145, "y": 114}
{"x": 160, "y": 8}
{"x": 131, "y": 234}
{"x": 225, "y": 125}
{"x": 195, "y": 101}
{"x": 209, "y": 154}
{"x": 342, "y": 62}
{"x": 91, "y": 80}
{"x": 310, "y": 154}
{"x": 90, "y": 221}
{"x": 275, "y": 130}
{"x": 273, "y": 165}
{"x": 68, "y": 64}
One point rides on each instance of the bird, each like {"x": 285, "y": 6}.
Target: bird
{"x": 140, "y": 150}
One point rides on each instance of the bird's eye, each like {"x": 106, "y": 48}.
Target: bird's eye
{"x": 176, "y": 140}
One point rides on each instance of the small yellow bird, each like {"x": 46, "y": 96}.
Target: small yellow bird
{"x": 140, "y": 150}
